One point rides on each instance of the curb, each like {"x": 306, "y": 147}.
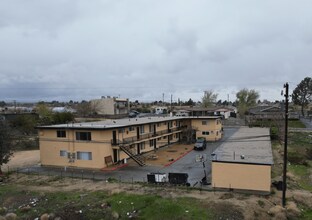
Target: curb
{"x": 114, "y": 168}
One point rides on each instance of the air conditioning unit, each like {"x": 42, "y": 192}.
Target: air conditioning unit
{"x": 71, "y": 157}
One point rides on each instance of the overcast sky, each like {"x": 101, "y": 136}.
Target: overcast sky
{"x": 139, "y": 49}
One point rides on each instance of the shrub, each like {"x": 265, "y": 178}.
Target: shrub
{"x": 296, "y": 158}
{"x": 309, "y": 153}
{"x": 274, "y": 133}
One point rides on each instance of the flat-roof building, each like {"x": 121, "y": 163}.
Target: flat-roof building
{"x": 244, "y": 161}
{"x": 99, "y": 144}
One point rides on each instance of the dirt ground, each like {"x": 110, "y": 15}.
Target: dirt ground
{"x": 251, "y": 206}
{"x": 22, "y": 159}
{"x": 166, "y": 155}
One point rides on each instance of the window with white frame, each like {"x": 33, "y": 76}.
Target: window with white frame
{"x": 84, "y": 155}
{"x": 63, "y": 153}
{"x": 142, "y": 129}
{"x": 205, "y": 133}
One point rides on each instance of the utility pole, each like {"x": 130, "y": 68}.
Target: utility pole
{"x": 171, "y": 104}
{"x": 286, "y": 86}
{"x": 163, "y": 99}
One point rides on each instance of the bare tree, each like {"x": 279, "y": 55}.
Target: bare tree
{"x": 209, "y": 98}
{"x": 246, "y": 99}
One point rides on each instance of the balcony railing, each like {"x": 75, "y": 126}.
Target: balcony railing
{"x": 131, "y": 140}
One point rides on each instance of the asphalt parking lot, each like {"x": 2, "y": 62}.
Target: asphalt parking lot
{"x": 187, "y": 164}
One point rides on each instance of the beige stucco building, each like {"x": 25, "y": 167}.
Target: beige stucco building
{"x": 111, "y": 106}
{"x": 99, "y": 144}
{"x": 244, "y": 161}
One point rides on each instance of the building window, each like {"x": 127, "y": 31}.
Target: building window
{"x": 83, "y": 136}
{"x": 204, "y": 122}
{"x": 205, "y": 133}
{"x": 170, "y": 124}
{"x": 63, "y": 153}
{"x": 151, "y": 142}
{"x": 142, "y": 146}
{"x": 142, "y": 129}
{"x": 170, "y": 137}
{"x": 131, "y": 128}
{"x": 61, "y": 134}
{"x": 84, "y": 155}
{"x": 158, "y": 124}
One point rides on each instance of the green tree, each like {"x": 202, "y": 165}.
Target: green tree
{"x": 245, "y": 100}
{"x": 302, "y": 94}
{"x": 62, "y": 117}
{"x": 45, "y": 114}
{"x": 190, "y": 102}
{"x": 2, "y": 103}
{"x": 25, "y": 124}
{"x": 84, "y": 108}
{"x": 209, "y": 98}
{"x": 6, "y": 143}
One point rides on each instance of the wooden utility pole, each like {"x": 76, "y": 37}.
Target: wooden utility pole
{"x": 286, "y": 86}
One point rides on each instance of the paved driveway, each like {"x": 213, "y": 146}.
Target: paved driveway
{"x": 187, "y": 164}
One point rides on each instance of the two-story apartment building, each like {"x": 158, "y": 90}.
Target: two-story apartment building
{"x": 98, "y": 144}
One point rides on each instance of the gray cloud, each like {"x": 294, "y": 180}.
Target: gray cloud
{"x": 66, "y": 49}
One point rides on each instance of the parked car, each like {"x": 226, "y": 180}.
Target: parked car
{"x": 200, "y": 144}
{"x": 133, "y": 114}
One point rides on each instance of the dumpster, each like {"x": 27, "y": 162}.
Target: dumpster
{"x": 156, "y": 178}
{"x": 178, "y": 178}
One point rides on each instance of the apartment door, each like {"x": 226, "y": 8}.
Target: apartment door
{"x": 115, "y": 155}
{"x": 114, "y": 138}
{"x": 138, "y": 133}
{"x": 138, "y": 148}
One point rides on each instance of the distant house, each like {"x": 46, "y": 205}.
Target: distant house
{"x": 161, "y": 110}
{"x": 267, "y": 112}
{"x": 111, "y": 106}
{"x": 224, "y": 112}
{"x": 62, "y": 109}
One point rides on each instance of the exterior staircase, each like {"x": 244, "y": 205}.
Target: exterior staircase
{"x": 136, "y": 157}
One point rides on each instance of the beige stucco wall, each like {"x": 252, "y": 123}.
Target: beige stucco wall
{"x": 213, "y": 126}
{"x": 50, "y": 147}
{"x": 100, "y": 146}
{"x": 241, "y": 176}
